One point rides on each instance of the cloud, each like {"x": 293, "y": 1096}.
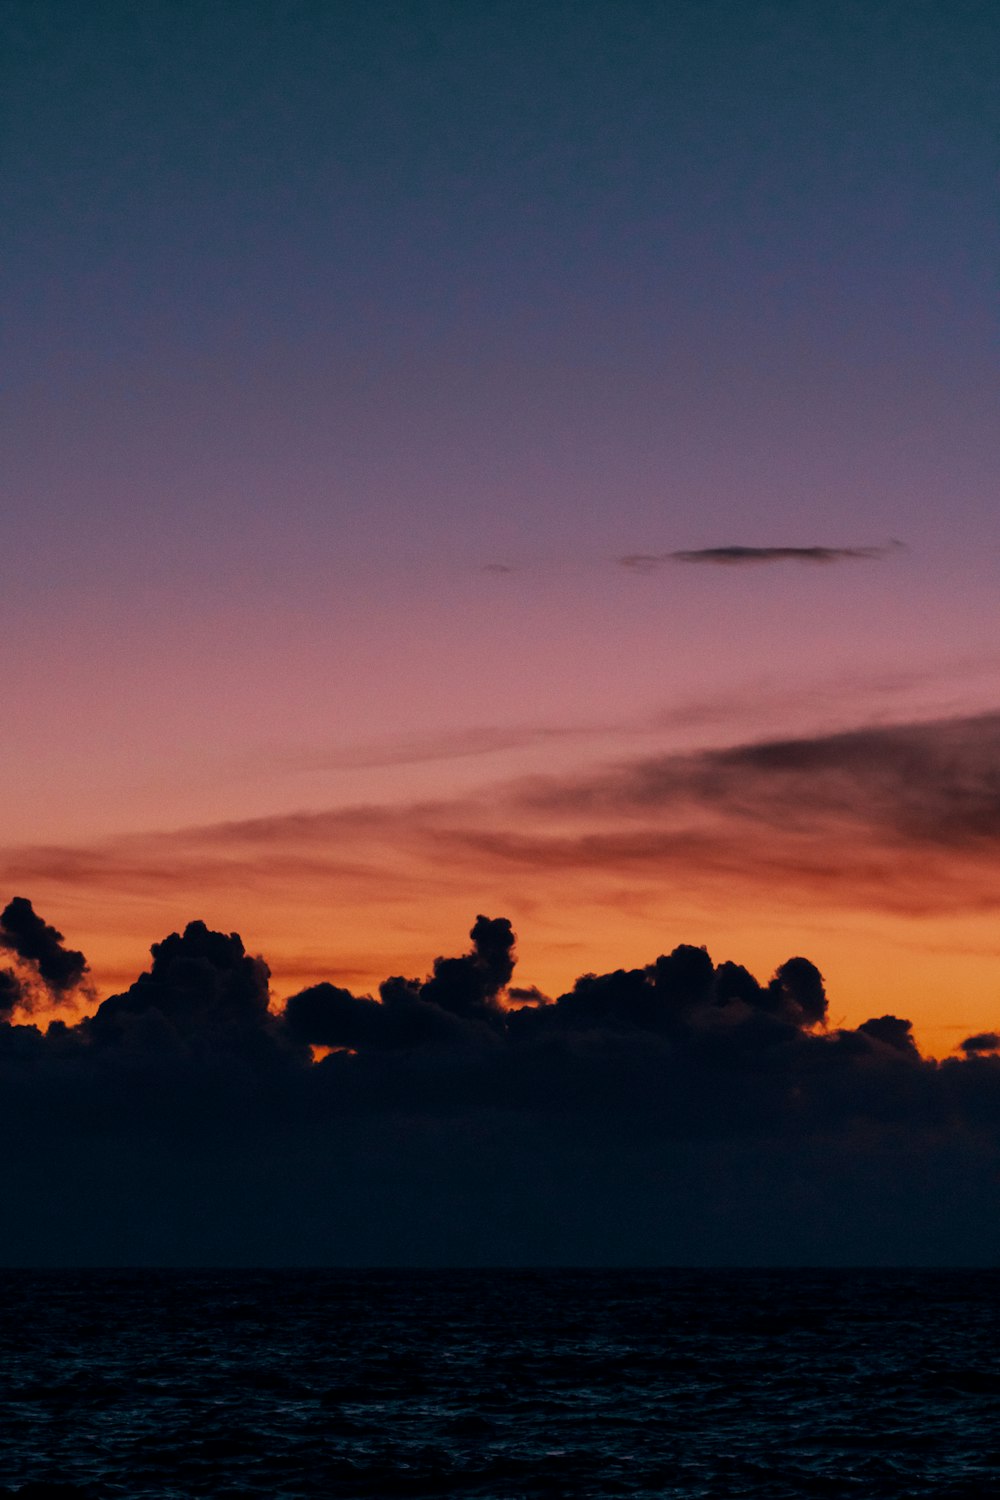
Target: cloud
{"x": 40, "y": 948}
{"x": 187, "y": 1098}
{"x": 735, "y": 557}
{"x": 526, "y": 994}
{"x": 934, "y": 783}
{"x": 479, "y": 740}
{"x": 459, "y": 990}
{"x": 983, "y": 1042}
{"x": 901, "y": 818}
{"x": 896, "y": 821}
{"x": 892, "y": 1032}
{"x": 202, "y": 988}
{"x": 12, "y": 993}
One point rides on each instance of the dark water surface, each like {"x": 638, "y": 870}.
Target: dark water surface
{"x": 500, "y": 1383}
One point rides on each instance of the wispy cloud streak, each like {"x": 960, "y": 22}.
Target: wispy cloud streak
{"x": 736, "y": 557}
{"x": 898, "y": 819}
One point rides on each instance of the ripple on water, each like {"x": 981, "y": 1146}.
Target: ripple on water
{"x": 500, "y": 1384}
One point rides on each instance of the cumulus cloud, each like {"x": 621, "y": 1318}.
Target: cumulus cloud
{"x": 49, "y": 965}
{"x": 735, "y": 557}
{"x": 187, "y": 1097}
{"x": 202, "y": 988}
{"x": 459, "y": 990}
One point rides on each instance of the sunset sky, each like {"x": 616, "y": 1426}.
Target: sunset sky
{"x": 532, "y": 459}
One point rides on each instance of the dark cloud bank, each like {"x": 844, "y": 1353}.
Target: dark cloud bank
{"x": 679, "y": 1113}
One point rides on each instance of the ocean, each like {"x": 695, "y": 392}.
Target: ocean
{"x": 505, "y": 1384}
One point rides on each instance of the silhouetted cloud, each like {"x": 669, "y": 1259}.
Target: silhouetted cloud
{"x": 526, "y": 994}
{"x": 891, "y": 820}
{"x": 202, "y": 985}
{"x": 36, "y": 943}
{"x": 187, "y": 1098}
{"x": 799, "y": 984}
{"x": 11, "y": 993}
{"x": 459, "y": 989}
{"x": 891, "y": 1031}
{"x": 983, "y": 1041}
{"x": 730, "y": 557}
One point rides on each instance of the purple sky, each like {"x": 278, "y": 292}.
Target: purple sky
{"x": 349, "y": 349}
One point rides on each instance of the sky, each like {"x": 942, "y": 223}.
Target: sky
{"x": 530, "y": 459}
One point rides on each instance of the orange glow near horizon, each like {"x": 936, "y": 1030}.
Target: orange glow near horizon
{"x": 870, "y": 852}
{"x": 941, "y": 972}
{"x": 542, "y": 466}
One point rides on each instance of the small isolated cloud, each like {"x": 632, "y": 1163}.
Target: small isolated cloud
{"x": 984, "y": 1043}
{"x": 735, "y": 557}
{"x": 497, "y": 567}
